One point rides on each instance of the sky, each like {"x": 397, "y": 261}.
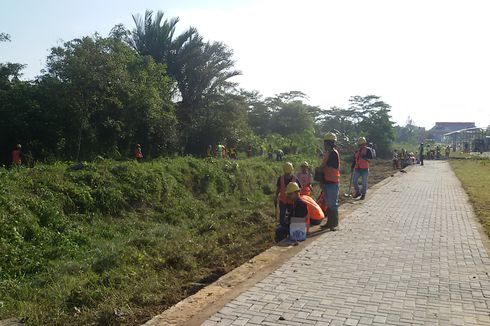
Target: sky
{"x": 428, "y": 59}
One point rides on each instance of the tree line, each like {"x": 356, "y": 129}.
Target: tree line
{"x": 172, "y": 93}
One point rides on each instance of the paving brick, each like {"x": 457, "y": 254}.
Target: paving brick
{"x": 411, "y": 254}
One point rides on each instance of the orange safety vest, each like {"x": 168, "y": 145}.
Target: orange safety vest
{"x": 330, "y": 174}
{"x": 305, "y": 182}
{"x": 16, "y": 157}
{"x": 360, "y": 162}
{"x": 314, "y": 210}
{"x": 283, "y": 198}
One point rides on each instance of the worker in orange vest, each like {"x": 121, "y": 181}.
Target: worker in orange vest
{"x": 282, "y": 200}
{"x": 303, "y": 208}
{"x": 304, "y": 178}
{"x": 138, "y": 154}
{"x": 331, "y": 180}
{"x": 360, "y": 167}
{"x": 17, "y": 155}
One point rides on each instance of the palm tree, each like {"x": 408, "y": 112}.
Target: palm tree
{"x": 156, "y": 38}
{"x": 199, "y": 68}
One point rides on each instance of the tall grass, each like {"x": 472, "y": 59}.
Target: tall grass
{"x": 115, "y": 243}
{"x": 474, "y": 174}
{"x": 103, "y": 244}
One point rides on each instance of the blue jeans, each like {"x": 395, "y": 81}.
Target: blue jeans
{"x": 364, "y": 174}
{"x": 331, "y": 193}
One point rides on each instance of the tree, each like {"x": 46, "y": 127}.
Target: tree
{"x": 4, "y": 37}
{"x": 224, "y": 120}
{"x": 10, "y": 72}
{"x": 154, "y": 36}
{"x": 201, "y": 69}
{"x": 374, "y": 121}
{"x": 112, "y": 97}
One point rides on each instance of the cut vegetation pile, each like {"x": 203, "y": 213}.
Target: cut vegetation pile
{"x": 116, "y": 243}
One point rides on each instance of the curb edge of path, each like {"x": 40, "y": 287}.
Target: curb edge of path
{"x": 197, "y": 308}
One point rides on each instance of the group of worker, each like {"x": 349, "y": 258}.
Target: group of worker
{"x": 403, "y": 158}
{"x": 435, "y": 152}
{"x": 222, "y": 152}
{"x": 293, "y": 199}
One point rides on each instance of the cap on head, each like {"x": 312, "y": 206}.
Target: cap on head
{"x": 288, "y": 167}
{"x": 362, "y": 141}
{"x": 292, "y": 187}
{"x": 19, "y": 146}
{"x": 305, "y": 164}
{"x": 330, "y": 136}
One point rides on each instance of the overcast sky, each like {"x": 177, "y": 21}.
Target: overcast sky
{"x": 429, "y": 59}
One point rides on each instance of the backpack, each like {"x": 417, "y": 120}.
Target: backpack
{"x": 373, "y": 152}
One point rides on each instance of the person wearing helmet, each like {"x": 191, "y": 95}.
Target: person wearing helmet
{"x": 360, "y": 167}
{"x": 138, "y": 154}
{"x": 304, "y": 178}
{"x": 297, "y": 214}
{"x": 331, "y": 180}
{"x": 281, "y": 198}
{"x": 17, "y": 156}
{"x": 303, "y": 212}
{"x": 279, "y": 155}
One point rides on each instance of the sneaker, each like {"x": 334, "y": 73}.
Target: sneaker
{"x": 363, "y": 196}
{"x": 357, "y": 195}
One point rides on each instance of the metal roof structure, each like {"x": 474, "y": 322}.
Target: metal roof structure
{"x": 463, "y": 130}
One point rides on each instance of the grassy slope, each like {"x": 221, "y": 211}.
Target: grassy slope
{"x": 475, "y": 177}
{"x": 119, "y": 242}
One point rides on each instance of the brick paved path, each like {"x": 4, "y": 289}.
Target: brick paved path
{"x": 411, "y": 254}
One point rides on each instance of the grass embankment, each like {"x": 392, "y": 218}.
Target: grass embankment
{"x": 475, "y": 176}
{"x": 116, "y": 243}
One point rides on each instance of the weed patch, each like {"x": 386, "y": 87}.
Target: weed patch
{"x": 116, "y": 243}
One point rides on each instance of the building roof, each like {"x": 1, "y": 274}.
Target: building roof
{"x": 463, "y": 130}
{"x": 445, "y": 127}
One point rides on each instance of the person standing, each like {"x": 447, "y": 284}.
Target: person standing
{"x": 209, "y": 151}
{"x": 421, "y": 151}
{"x": 304, "y": 178}
{"x": 331, "y": 180}
{"x": 395, "y": 159}
{"x": 270, "y": 152}
{"x": 360, "y": 166}
{"x": 138, "y": 154}
{"x": 279, "y": 155}
{"x": 249, "y": 151}
{"x": 17, "y": 156}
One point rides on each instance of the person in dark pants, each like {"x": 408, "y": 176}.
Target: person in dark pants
{"x": 283, "y": 201}
{"x": 421, "y": 151}
{"x": 331, "y": 180}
